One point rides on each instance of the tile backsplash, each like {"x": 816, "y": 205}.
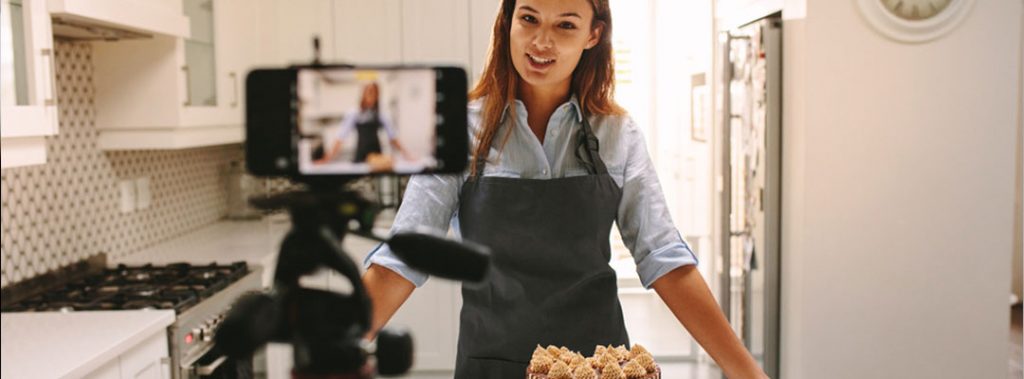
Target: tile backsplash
{"x": 67, "y": 209}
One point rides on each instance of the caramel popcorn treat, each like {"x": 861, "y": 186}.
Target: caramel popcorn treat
{"x": 612, "y": 371}
{"x": 560, "y": 370}
{"x": 633, "y": 370}
{"x": 608, "y": 362}
{"x": 585, "y": 372}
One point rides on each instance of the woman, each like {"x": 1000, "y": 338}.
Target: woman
{"x": 365, "y": 123}
{"x": 544, "y": 110}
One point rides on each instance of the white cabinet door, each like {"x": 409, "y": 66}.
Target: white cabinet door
{"x": 288, "y": 28}
{"x": 436, "y": 32}
{"x": 110, "y": 370}
{"x": 28, "y": 93}
{"x": 147, "y": 360}
{"x": 369, "y": 32}
{"x": 238, "y": 50}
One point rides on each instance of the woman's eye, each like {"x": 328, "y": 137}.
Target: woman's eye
{"x": 529, "y": 18}
{"x": 567, "y": 25}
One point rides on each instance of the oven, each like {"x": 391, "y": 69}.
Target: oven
{"x": 193, "y": 354}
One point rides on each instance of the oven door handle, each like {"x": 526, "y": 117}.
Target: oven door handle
{"x": 210, "y": 368}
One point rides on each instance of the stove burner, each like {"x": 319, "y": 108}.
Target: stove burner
{"x": 176, "y": 286}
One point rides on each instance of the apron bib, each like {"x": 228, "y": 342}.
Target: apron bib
{"x": 368, "y": 141}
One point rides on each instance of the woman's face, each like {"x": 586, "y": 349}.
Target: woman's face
{"x": 548, "y": 37}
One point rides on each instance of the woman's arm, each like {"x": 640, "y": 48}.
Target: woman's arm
{"x": 401, "y": 150}
{"x": 388, "y": 291}
{"x": 330, "y": 153}
{"x": 688, "y": 296}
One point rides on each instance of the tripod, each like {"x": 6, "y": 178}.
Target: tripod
{"x": 325, "y": 328}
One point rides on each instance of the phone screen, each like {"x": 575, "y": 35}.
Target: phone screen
{"x": 359, "y": 121}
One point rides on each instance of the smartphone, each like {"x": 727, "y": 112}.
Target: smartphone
{"x": 345, "y": 121}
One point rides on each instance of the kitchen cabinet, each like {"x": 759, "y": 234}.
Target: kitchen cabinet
{"x": 369, "y": 32}
{"x": 172, "y": 93}
{"x": 402, "y": 32}
{"x": 28, "y": 93}
{"x": 291, "y": 26}
{"x": 437, "y": 32}
{"x": 147, "y": 360}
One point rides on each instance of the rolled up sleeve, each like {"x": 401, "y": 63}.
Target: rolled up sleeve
{"x": 643, "y": 216}
{"x": 430, "y": 201}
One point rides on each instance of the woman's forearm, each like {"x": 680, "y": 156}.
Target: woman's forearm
{"x": 387, "y": 291}
{"x": 688, "y": 296}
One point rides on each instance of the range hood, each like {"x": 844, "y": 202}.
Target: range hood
{"x": 117, "y": 19}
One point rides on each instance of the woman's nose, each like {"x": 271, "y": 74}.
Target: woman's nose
{"x": 542, "y": 40}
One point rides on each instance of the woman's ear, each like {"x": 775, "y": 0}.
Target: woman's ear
{"x": 595, "y": 35}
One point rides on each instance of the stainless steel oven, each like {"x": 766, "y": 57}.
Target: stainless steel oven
{"x": 193, "y": 354}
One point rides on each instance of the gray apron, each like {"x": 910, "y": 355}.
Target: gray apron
{"x": 550, "y": 282}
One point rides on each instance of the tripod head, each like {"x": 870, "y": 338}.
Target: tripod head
{"x": 326, "y": 328}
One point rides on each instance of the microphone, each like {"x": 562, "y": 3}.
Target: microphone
{"x": 441, "y": 257}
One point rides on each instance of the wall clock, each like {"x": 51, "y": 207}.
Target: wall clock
{"x": 914, "y": 21}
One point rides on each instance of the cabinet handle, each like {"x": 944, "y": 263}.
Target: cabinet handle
{"x": 165, "y": 362}
{"x": 52, "y": 99}
{"x": 234, "y": 87}
{"x": 188, "y": 87}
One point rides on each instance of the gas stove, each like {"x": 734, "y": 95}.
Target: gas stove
{"x": 200, "y": 295}
{"x": 176, "y": 286}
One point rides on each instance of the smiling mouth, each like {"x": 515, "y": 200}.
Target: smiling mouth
{"x": 540, "y": 61}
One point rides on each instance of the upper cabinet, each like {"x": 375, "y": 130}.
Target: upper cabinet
{"x": 170, "y": 93}
{"x": 116, "y": 19}
{"x": 441, "y": 32}
{"x": 28, "y": 94}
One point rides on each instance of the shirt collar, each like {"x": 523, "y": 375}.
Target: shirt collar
{"x": 573, "y": 102}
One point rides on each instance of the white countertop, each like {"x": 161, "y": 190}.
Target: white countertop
{"x": 61, "y": 345}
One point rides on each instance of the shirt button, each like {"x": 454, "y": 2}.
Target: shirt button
{"x": 544, "y": 171}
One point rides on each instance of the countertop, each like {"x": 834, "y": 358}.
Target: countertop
{"x": 61, "y": 345}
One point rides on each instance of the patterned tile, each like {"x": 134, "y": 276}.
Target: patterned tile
{"x": 66, "y": 210}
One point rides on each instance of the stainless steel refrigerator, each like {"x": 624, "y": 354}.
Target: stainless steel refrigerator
{"x": 750, "y": 113}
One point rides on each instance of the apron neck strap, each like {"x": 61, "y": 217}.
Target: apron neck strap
{"x": 587, "y": 151}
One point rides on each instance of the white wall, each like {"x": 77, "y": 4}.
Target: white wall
{"x": 898, "y": 174}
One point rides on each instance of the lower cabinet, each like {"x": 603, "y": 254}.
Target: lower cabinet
{"x": 147, "y": 360}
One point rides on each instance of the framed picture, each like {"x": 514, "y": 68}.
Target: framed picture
{"x": 698, "y": 105}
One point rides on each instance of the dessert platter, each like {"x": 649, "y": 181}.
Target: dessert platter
{"x": 607, "y": 362}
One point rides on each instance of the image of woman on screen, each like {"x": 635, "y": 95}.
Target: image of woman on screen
{"x": 365, "y": 123}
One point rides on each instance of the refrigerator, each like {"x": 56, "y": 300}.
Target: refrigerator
{"x": 749, "y": 110}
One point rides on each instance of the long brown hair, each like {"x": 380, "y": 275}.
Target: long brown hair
{"x": 593, "y": 79}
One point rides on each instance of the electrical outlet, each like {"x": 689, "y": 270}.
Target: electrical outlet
{"x": 143, "y": 195}
{"x": 127, "y": 195}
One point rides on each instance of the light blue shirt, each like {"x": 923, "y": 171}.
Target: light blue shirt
{"x": 643, "y": 218}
